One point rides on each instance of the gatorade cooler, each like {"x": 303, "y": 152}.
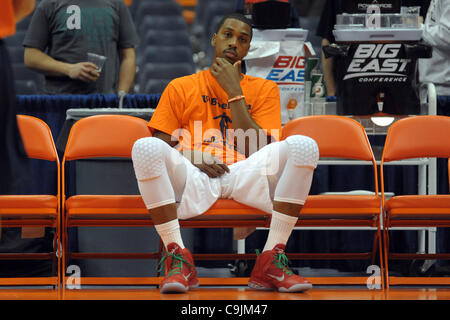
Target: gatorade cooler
{"x": 280, "y": 55}
{"x": 376, "y": 60}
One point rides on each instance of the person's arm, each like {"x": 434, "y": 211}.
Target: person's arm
{"x": 37, "y": 60}
{"x": 437, "y": 33}
{"x": 167, "y": 138}
{"x": 229, "y": 76}
{"x": 23, "y": 8}
{"x": 327, "y": 67}
{"x": 127, "y": 69}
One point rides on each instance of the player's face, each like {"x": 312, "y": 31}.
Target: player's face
{"x": 232, "y": 41}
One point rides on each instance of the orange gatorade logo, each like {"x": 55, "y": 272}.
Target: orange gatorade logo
{"x": 292, "y": 104}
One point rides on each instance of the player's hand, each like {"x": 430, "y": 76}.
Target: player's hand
{"x": 228, "y": 76}
{"x": 84, "y": 71}
{"x": 207, "y": 163}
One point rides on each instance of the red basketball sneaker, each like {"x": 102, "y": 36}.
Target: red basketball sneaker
{"x": 271, "y": 272}
{"x": 181, "y": 275}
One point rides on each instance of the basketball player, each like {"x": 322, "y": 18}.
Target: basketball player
{"x": 190, "y": 162}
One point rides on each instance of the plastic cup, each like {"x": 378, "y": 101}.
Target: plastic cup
{"x": 98, "y": 60}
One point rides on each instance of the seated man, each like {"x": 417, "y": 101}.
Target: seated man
{"x": 210, "y": 133}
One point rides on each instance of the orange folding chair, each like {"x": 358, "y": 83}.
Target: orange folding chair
{"x": 227, "y": 213}
{"x": 114, "y": 136}
{"x": 188, "y": 10}
{"x": 410, "y": 138}
{"x": 98, "y": 137}
{"x": 40, "y": 210}
{"x": 342, "y": 138}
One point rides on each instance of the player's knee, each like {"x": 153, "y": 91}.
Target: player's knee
{"x": 148, "y": 158}
{"x": 303, "y": 151}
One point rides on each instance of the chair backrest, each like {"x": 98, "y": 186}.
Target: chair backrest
{"x": 101, "y": 136}
{"x": 167, "y": 37}
{"x": 217, "y": 8}
{"x": 336, "y": 136}
{"x": 165, "y": 71}
{"x": 153, "y": 86}
{"x": 197, "y": 26}
{"x": 37, "y": 138}
{"x": 39, "y": 143}
{"x": 168, "y": 54}
{"x": 104, "y": 136}
{"x": 167, "y": 8}
{"x": 162, "y": 23}
{"x": 215, "y": 11}
{"x": 418, "y": 136}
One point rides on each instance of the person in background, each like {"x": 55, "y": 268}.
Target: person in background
{"x": 437, "y": 69}
{"x": 14, "y": 164}
{"x": 328, "y": 20}
{"x": 436, "y": 33}
{"x": 63, "y": 32}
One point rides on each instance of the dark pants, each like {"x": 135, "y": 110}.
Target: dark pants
{"x": 14, "y": 163}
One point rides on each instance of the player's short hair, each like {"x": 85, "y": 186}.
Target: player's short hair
{"x": 237, "y": 16}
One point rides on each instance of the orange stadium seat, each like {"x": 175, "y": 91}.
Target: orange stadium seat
{"x": 188, "y": 10}
{"x": 342, "y": 138}
{"x": 34, "y": 211}
{"x": 98, "y": 137}
{"x": 410, "y": 138}
{"x": 114, "y": 136}
{"x": 189, "y": 16}
{"x": 187, "y": 3}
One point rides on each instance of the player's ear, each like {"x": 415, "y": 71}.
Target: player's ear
{"x": 213, "y": 39}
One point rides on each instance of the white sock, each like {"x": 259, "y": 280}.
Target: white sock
{"x": 281, "y": 227}
{"x": 170, "y": 232}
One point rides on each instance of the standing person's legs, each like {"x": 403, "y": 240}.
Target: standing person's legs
{"x": 161, "y": 173}
{"x": 14, "y": 163}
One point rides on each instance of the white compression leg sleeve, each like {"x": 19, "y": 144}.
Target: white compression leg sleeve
{"x": 295, "y": 181}
{"x": 293, "y": 185}
{"x": 160, "y": 171}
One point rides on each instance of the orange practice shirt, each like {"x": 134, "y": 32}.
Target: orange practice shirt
{"x": 198, "y": 106}
{"x": 7, "y": 20}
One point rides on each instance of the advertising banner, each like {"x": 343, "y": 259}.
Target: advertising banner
{"x": 281, "y": 60}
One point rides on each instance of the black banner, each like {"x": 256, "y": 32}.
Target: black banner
{"x": 377, "y": 77}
